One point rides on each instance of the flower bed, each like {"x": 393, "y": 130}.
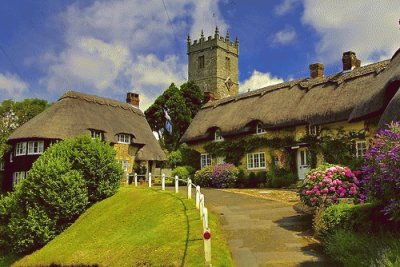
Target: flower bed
{"x": 327, "y": 184}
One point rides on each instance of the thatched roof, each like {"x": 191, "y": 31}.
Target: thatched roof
{"x": 77, "y": 113}
{"x": 304, "y": 101}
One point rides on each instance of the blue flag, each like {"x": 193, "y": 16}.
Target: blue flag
{"x": 168, "y": 124}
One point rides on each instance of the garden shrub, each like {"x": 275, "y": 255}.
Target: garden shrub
{"x": 224, "y": 175}
{"x": 183, "y": 172}
{"x": 242, "y": 180}
{"x": 67, "y": 178}
{"x": 382, "y": 170}
{"x": 280, "y": 177}
{"x": 327, "y": 184}
{"x": 203, "y": 176}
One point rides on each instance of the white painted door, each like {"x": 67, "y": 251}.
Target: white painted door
{"x": 302, "y": 162}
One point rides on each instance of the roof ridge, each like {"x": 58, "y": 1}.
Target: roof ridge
{"x": 307, "y": 83}
{"x": 101, "y": 101}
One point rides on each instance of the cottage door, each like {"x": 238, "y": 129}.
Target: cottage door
{"x": 302, "y": 162}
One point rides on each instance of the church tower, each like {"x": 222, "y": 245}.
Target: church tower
{"x": 213, "y": 64}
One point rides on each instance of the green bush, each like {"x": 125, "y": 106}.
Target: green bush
{"x": 360, "y": 249}
{"x": 241, "y": 181}
{"x": 96, "y": 160}
{"x": 278, "y": 178}
{"x": 183, "y": 172}
{"x": 203, "y": 176}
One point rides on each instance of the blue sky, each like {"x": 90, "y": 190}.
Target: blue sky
{"x": 108, "y": 48}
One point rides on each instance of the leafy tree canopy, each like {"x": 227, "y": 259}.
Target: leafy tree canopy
{"x": 181, "y": 104}
{"x": 14, "y": 114}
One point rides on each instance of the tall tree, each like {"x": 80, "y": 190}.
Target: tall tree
{"x": 14, "y": 114}
{"x": 178, "y": 106}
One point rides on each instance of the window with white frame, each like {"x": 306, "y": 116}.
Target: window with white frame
{"x": 256, "y": 160}
{"x": 218, "y": 136}
{"x": 35, "y": 147}
{"x": 205, "y": 160}
{"x": 97, "y": 134}
{"x": 260, "y": 128}
{"x": 124, "y": 139}
{"x": 18, "y": 177}
{"x": 124, "y": 164}
{"x": 361, "y": 148}
{"x": 312, "y": 129}
{"x": 20, "y": 149}
{"x": 1, "y": 165}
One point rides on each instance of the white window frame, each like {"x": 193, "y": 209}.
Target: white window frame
{"x": 20, "y": 149}
{"x": 313, "y": 130}
{"x": 205, "y": 160}
{"x": 97, "y": 134}
{"x": 361, "y": 148}
{"x": 256, "y": 161}
{"x": 35, "y": 147}
{"x": 217, "y": 136}
{"x": 124, "y": 165}
{"x": 124, "y": 139}
{"x": 1, "y": 165}
{"x": 260, "y": 128}
{"x": 18, "y": 177}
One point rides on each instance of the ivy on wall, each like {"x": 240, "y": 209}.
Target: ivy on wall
{"x": 336, "y": 146}
{"x": 235, "y": 150}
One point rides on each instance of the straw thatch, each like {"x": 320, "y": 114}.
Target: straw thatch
{"x": 77, "y": 113}
{"x": 305, "y": 101}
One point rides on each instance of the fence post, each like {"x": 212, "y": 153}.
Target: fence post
{"x": 149, "y": 179}
{"x": 135, "y": 177}
{"x": 189, "y": 184}
{"x": 176, "y": 184}
{"x": 207, "y": 246}
{"x": 201, "y": 205}
{"x": 198, "y": 197}
{"x": 163, "y": 181}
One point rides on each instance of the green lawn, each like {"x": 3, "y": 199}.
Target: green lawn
{"x": 135, "y": 227}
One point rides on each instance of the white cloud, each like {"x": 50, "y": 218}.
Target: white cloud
{"x": 258, "y": 80}
{"x": 11, "y": 86}
{"x": 285, "y": 7}
{"x": 117, "y": 46}
{"x": 369, "y": 28}
{"x": 284, "y": 36}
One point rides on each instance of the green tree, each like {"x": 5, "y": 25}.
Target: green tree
{"x": 14, "y": 114}
{"x": 181, "y": 105}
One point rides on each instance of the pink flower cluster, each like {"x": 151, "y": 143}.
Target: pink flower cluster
{"x": 327, "y": 184}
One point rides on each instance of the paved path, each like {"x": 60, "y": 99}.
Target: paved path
{"x": 263, "y": 232}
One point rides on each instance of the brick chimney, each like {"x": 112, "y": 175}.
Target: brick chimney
{"x": 317, "y": 70}
{"x": 350, "y": 61}
{"x": 133, "y": 99}
{"x": 209, "y": 97}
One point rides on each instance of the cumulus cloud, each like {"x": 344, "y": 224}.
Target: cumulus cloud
{"x": 369, "y": 28}
{"x": 11, "y": 86}
{"x": 285, "y": 7}
{"x": 117, "y": 46}
{"x": 258, "y": 80}
{"x": 284, "y": 36}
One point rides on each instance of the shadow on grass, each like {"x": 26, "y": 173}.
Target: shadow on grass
{"x": 7, "y": 259}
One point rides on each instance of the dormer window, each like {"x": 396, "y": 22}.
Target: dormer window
{"x": 20, "y": 149}
{"x": 35, "y": 147}
{"x": 124, "y": 139}
{"x": 97, "y": 134}
{"x": 260, "y": 129}
{"x": 218, "y": 136}
{"x": 313, "y": 130}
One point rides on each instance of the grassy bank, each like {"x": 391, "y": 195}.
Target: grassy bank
{"x": 135, "y": 227}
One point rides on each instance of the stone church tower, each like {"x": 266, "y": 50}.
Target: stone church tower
{"x": 213, "y": 64}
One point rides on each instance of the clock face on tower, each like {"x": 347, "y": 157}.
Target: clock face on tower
{"x": 228, "y": 83}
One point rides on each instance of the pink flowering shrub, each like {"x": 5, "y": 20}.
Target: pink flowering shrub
{"x": 327, "y": 184}
{"x": 224, "y": 175}
{"x": 382, "y": 170}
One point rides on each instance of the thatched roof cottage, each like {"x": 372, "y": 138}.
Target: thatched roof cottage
{"x": 356, "y": 98}
{"x": 122, "y": 124}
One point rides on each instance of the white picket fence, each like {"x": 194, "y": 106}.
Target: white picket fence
{"x": 199, "y": 204}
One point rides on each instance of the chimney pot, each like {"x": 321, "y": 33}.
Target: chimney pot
{"x": 350, "y": 61}
{"x": 133, "y": 99}
{"x": 317, "y": 70}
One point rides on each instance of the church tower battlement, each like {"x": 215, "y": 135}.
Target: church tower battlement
{"x": 213, "y": 64}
